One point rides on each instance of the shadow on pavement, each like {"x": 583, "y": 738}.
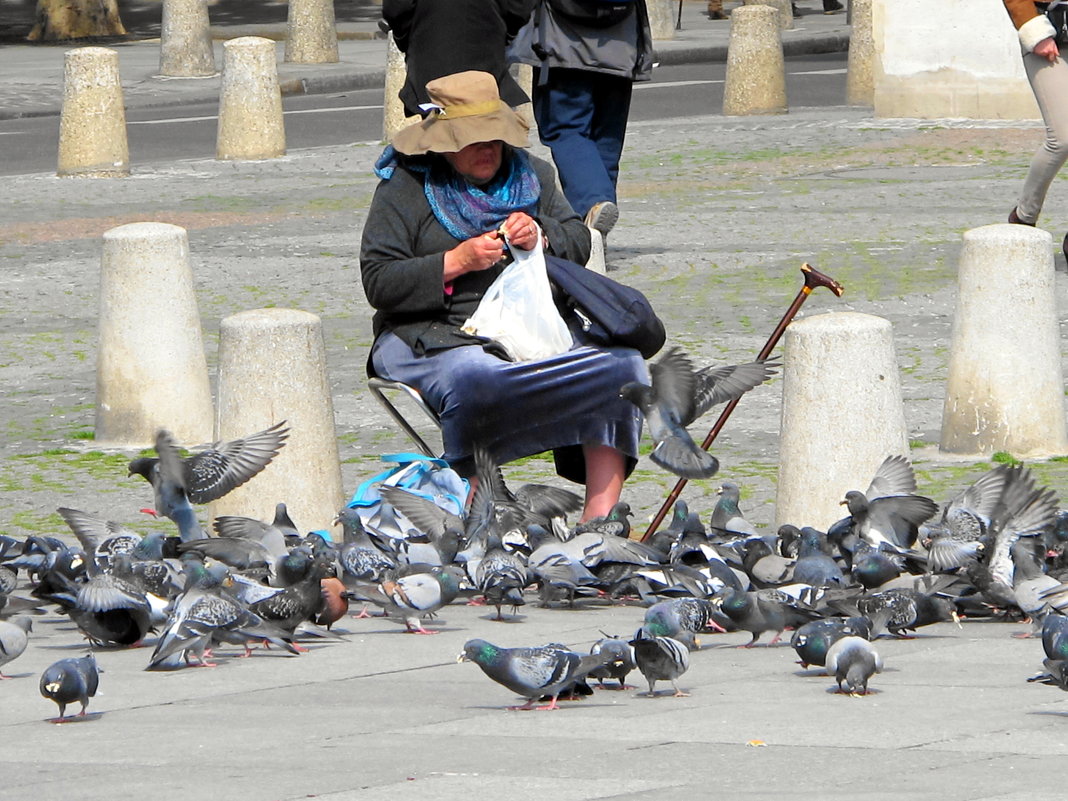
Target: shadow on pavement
{"x": 142, "y": 17}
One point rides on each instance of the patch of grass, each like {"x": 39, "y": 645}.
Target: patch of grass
{"x": 1001, "y": 457}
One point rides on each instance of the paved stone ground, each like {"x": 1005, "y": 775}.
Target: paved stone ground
{"x": 717, "y": 216}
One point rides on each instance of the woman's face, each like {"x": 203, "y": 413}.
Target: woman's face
{"x": 478, "y": 163}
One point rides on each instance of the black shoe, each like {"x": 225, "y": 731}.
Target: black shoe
{"x": 1015, "y": 220}
{"x": 796, "y": 10}
{"x": 832, "y": 7}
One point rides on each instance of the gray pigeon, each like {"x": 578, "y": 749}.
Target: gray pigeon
{"x": 852, "y": 661}
{"x": 682, "y": 619}
{"x": 13, "y": 639}
{"x": 956, "y": 539}
{"x": 679, "y": 395}
{"x": 178, "y": 482}
{"x": 889, "y": 511}
{"x": 532, "y": 672}
{"x": 622, "y": 662}
{"x": 70, "y": 680}
{"x": 661, "y": 659}
{"x": 204, "y": 614}
{"x": 727, "y": 517}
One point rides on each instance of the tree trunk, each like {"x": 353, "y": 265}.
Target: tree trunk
{"x": 76, "y": 19}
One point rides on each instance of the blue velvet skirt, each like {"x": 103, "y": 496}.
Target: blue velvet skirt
{"x": 518, "y": 409}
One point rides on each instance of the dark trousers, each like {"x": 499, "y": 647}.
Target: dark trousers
{"x": 582, "y": 119}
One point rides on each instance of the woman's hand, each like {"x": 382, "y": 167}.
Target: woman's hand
{"x": 1047, "y": 49}
{"x": 521, "y": 230}
{"x": 471, "y": 255}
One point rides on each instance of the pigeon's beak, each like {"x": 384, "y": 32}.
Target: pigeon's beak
{"x": 461, "y": 657}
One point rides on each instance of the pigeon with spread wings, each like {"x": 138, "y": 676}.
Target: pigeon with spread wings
{"x": 679, "y": 394}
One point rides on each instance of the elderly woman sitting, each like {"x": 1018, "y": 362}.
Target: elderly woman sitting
{"x": 432, "y": 246}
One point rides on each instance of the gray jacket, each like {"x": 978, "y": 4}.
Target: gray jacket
{"x": 549, "y": 40}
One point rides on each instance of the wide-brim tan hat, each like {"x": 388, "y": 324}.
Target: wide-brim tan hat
{"x": 469, "y": 110}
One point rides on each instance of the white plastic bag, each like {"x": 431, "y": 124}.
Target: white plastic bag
{"x": 518, "y": 310}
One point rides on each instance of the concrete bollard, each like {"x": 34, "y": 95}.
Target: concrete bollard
{"x": 311, "y": 36}
{"x": 662, "y": 16}
{"x": 784, "y": 7}
{"x": 756, "y": 71}
{"x": 185, "y": 49}
{"x": 1005, "y": 388}
{"x": 842, "y": 413}
{"x": 272, "y": 366}
{"x": 860, "y": 76}
{"x": 393, "y": 117}
{"x": 151, "y": 372}
{"x": 524, "y": 76}
{"x": 92, "y": 123}
{"x": 250, "y": 102}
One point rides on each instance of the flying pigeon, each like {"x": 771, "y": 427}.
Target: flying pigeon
{"x": 178, "y": 482}
{"x": 957, "y": 537}
{"x": 679, "y": 395}
{"x": 661, "y": 659}
{"x": 889, "y": 511}
{"x": 70, "y": 680}
{"x": 853, "y": 661}
{"x": 532, "y": 672}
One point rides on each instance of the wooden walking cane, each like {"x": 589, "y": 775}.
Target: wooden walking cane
{"x": 814, "y": 279}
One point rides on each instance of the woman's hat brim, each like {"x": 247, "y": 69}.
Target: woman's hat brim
{"x": 439, "y": 134}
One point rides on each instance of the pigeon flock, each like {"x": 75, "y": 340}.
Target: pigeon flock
{"x": 897, "y": 561}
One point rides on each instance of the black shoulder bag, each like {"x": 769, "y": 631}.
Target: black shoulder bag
{"x": 606, "y": 312}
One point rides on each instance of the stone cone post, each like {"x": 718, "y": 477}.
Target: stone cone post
{"x": 393, "y": 117}
{"x": 784, "y": 7}
{"x": 272, "y": 367}
{"x": 860, "y": 76}
{"x": 842, "y": 413}
{"x": 250, "y": 102}
{"x": 185, "y": 49}
{"x": 151, "y": 372}
{"x": 756, "y": 71}
{"x": 662, "y": 17}
{"x": 311, "y": 36}
{"x": 1005, "y": 388}
{"x": 524, "y": 76}
{"x": 92, "y": 123}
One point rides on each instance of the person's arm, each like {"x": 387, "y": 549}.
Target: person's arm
{"x": 398, "y": 14}
{"x": 1036, "y": 32}
{"x": 516, "y": 14}
{"x": 395, "y": 279}
{"x": 567, "y": 234}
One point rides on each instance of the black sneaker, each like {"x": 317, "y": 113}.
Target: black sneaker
{"x": 833, "y": 7}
